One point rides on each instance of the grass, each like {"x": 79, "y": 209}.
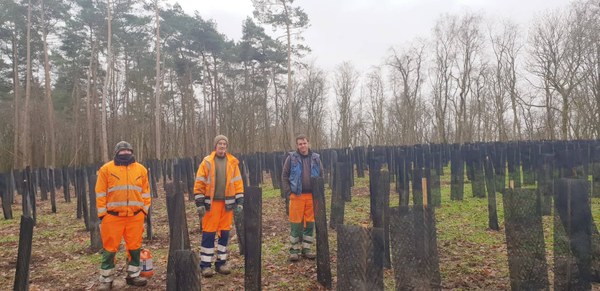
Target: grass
{"x": 471, "y": 255}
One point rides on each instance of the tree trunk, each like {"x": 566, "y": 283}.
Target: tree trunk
{"x": 216, "y": 99}
{"x": 104, "y": 136}
{"x": 49, "y": 103}
{"x": 513, "y": 100}
{"x": 157, "y": 87}
{"x": 290, "y": 98}
{"x": 268, "y": 137}
{"x": 207, "y": 116}
{"x": 26, "y": 132}
{"x": 90, "y": 119}
{"x": 76, "y": 136}
{"x": 549, "y": 119}
{"x": 564, "y": 128}
{"x": 191, "y": 123}
{"x": 277, "y": 106}
{"x": 17, "y": 92}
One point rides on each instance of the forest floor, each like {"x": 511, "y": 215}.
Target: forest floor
{"x": 471, "y": 256}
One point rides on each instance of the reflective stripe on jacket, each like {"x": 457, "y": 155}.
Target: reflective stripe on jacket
{"x": 204, "y": 187}
{"x": 122, "y": 190}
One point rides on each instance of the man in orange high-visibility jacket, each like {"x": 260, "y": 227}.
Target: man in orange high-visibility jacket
{"x": 218, "y": 192}
{"x": 123, "y": 200}
{"x": 298, "y": 169}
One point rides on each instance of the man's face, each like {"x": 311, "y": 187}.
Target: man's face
{"x": 125, "y": 152}
{"x": 221, "y": 148}
{"x": 302, "y": 145}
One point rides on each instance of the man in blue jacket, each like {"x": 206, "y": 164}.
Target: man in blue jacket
{"x": 299, "y": 167}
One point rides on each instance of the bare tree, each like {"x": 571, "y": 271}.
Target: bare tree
{"x": 443, "y": 85}
{"x": 512, "y": 52}
{"x": 345, "y": 82}
{"x": 469, "y": 41}
{"x": 589, "y": 13}
{"x": 359, "y": 126}
{"x": 481, "y": 126}
{"x": 558, "y": 49}
{"x": 406, "y": 86}
{"x": 497, "y": 88}
{"x": 503, "y": 82}
{"x": 375, "y": 94}
{"x": 314, "y": 87}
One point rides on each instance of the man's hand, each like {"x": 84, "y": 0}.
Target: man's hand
{"x": 201, "y": 210}
{"x": 199, "y": 201}
{"x": 238, "y": 209}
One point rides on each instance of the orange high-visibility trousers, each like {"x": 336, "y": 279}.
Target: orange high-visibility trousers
{"x": 217, "y": 218}
{"x": 114, "y": 228}
{"x": 301, "y": 208}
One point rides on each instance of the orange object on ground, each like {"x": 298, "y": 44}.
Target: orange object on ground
{"x": 217, "y": 218}
{"x": 146, "y": 263}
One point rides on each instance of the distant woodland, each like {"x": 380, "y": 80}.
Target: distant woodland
{"x": 77, "y": 76}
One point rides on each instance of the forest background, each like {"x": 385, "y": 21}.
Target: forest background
{"x": 76, "y": 76}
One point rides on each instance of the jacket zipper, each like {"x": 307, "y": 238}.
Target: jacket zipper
{"x": 127, "y": 175}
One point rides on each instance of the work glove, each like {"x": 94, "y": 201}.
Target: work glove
{"x": 238, "y": 209}
{"x": 200, "y": 208}
{"x": 201, "y": 211}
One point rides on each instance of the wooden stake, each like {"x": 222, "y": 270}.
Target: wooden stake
{"x": 424, "y": 190}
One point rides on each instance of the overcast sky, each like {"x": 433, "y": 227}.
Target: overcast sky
{"x": 363, "y": 31}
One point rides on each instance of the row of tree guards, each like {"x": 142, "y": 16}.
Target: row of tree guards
{"x": 402, "y": 238}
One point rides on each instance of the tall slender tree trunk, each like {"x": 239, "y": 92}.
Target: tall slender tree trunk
{"x": 211, "y": 113}
{"x": 278, "y": 115}
{"x": 90, "y": 118}
{"x": 76, "y": 136}
{"x": 208, "y": 118}
{"x": 192, "y": 120}
{"x": 17, "y": 93}
{"x": 26, "y": 131}
{"x": 268, "y": 137}
{"x": 549, "y": 119}
{"x": 157, "y": 87}
{"x": 290, "y": 98}
{"x": 176, "y": 148}
{"x": 564, "y": 127}
{"x": 109, "y": 59}
{"x": 513, "y": 101}
{"x": 50, "y": 126}
{"x": 217, "y": 100}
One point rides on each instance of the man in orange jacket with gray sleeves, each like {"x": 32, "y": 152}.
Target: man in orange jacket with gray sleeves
{"x": 218, "y": 191}
{"x": 123, "y": 200}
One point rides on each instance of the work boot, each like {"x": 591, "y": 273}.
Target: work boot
{"x": 207, "y": 272}
{"x": 105, "y": 281}
{"x": 136, "y": 281}
{"x": 224, "y": 269}
{"x": 309, "y": 255}
{"x": 294, "y": 257}
{"x": 104, "y": 286}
